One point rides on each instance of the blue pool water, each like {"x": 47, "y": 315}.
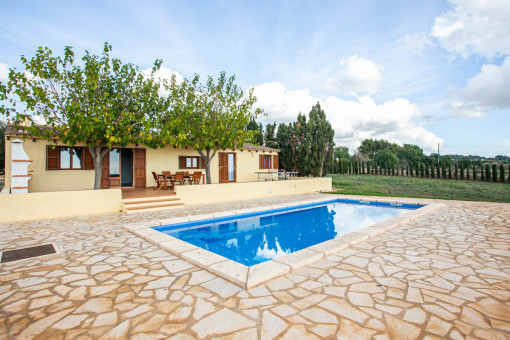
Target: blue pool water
{"x": 258, "y": 237}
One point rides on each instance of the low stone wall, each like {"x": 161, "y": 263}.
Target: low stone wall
{"x": 40, "y": 205}
{"x": 211, "y": 193}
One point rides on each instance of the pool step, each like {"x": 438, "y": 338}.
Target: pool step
{"x": 145, "y": 204}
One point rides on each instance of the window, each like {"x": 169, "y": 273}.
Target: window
{"x": 268, "y": 162}
{"x": 191, "y": 162}
{"x": 265, "y": 161}
{"x": 68, "y": 158}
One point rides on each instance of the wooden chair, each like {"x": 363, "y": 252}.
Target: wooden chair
{"x": 159, "y": 182}
{"x": 179, "y": 178}
{"x": 169, "y": 180}
{"x": 197, "y": 175}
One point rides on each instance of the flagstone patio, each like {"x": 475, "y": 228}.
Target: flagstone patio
{"x": 443, "y": 275}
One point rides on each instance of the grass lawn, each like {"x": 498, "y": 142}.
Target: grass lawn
{"x": 421, "y": 187}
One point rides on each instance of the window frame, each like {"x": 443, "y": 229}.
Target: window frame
{"x": 267, "y": 162}
{"x": 73, "y": 150}
{"x": 183, "y": 164}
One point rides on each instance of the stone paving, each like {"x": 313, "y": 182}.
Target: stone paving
{"x": 443, "y": 275}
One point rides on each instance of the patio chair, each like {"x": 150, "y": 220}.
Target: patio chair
{"x": 169, "y": 180}
{"x": 179, "y": 178}
{"x": 197, "y": 175}
{"x": 159, "y": 182}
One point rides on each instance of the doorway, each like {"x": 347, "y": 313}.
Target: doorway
{"x": 227, "y": 167}
{"x": 123, "y": 168}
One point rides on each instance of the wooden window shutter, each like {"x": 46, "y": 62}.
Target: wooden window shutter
{"x": 261, "y": 161}
{"x": 89, "y": 160}
{"x": 52, "y": 157}
{"x": 182, "y": 162}
{"x": 201, "y": 163}
{"x": 275, "y": 161}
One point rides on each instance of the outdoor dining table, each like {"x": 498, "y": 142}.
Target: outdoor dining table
{"x": 186, "y": 177}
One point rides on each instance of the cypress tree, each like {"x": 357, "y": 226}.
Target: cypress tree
{"x": 450, "y": 171}
{"x": 502, "y": 173}
{"x": 474, "y": 172}
{"x": 508, "y": 173}
{"x": 432, "y": 171}
{"x": 487, "y": 173}
{"x": 461, "y": 168}
{"x": 393, "y": 169}
{"x": 438, "y": 167}
{"x": 482, "y": 174}
{"x": 427, "y": 173}
{"x": 467, "y": 172}
{"x": 494, "y": 172}
{"x": 456, "y": 172}
{"x": 443, "y": 170}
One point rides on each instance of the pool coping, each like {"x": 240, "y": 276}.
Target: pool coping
{"x": 251, "y": 276}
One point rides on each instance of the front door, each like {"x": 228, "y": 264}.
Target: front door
{"x": 123, "y": 168}
{"x": 227, "y": 167}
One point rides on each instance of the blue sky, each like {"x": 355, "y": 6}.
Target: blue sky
{"x": 418, "y": 72}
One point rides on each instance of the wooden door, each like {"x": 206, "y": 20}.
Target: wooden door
{"x": 115, "y": 169}
{"x": 227, "y": 167}
{"x": 140, "y": 163}
{"x": 105, "y": 173}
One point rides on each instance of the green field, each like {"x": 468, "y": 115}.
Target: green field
{"x": 421, "y": 188}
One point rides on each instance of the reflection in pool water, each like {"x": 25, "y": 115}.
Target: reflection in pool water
{"x": 257, "y": 239}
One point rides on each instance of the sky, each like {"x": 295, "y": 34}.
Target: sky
{"x": 408, "y": 71}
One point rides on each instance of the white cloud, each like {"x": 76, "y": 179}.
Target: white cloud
{"x": 490, "y": 88}
{"x": 475, "y": 26}
{"x": 164, "y": 74}
{"x": 415, "y": 43}
{"x": 357, "y": 76}
{"x": 4, "y": 72}
{"x": 352, "y": 120}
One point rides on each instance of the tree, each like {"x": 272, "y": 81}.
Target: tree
{"x": 217, "y": 114}
{"x": 284, "y": 138}
{"x": 494, "y": 172}
{"x": 258, "y": 138}
{"x": 386, "y": 157}
{"x": 102, "y": 102}
{"x": 270, "y": 136}
{"x": 3, "y": 126}
{"x": 410, "y": 153}
{"x": 487, "y": 172}
{"x": 340, "y": 152}
{"x": 502, "y": 173}
{"x": 321, "y": 132}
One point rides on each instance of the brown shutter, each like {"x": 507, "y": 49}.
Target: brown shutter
{"x": 201, "y": 163}
{"x": 105, "y": 174}
{"x": 89, "y": 160}
{"x": 261, "y": 161}
{"x": 52, "y": 157}
{"x": 182, "y": 162}
{"x": 275, "y": 161}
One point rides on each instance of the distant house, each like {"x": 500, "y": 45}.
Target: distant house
{"x": 57, "y": 167}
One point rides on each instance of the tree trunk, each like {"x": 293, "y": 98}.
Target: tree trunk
{"x": 207, "y": 159}
{"x": 98, "y": 153}
{"x": 323, "y": 159}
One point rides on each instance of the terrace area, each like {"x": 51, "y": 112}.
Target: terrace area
{"x": 443, "y": 275}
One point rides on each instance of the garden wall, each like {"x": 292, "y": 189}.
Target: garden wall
{"x": 212, "y": 193}
{"x": 41, "y": 205}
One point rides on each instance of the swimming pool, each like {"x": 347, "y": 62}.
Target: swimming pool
{"x": 257, "y": 237}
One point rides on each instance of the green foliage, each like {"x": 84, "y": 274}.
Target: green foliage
{"x": 340, "y": 152}
{"x": 100, "y": 102}
{"x": 456, "y": 172}
{"x": 474, "y": 172}
{"x": 216, "y": 115}
{"x": 3, "y": 126}
{"x": 502, "y": 173}
{"x": 482, "y": 174}
{"x": 258, "y": 137}
{"x": 432, "y": 171}
{"x": 284, "y": 138}
{"x": 494, "y": 172}
{"x": 410, "y": 153}
{"x": 270, "y": 139}
{"x": 450, "y": 171}
{"x": 443, "y": 170}
{"x": 487, "y": 172}
{"x": 427, "y": 173}
{"x": 385, "y": 157}
{"x": 461, "y": 170}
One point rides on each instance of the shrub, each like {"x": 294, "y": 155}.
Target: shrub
{"x": 487, "y": 173}
{"x": 482, "y": 174}
{"x": 474, "y": 172}
{"x": 456, "y": 172}
{"x": 467, "y": 172}
{"x": 494, "y": 172}
{"x": 438, "y": 174}
{"x": 427, "y": 173}
{"x": 461, "y": 168}
{"x": 443, "y": 170}
{"x": 450, "y": 171}
{"x": 432, "y": 171}
{"x": 502, "y": 173}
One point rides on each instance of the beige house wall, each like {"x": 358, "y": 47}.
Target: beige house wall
{"x": 158, "y": 160}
